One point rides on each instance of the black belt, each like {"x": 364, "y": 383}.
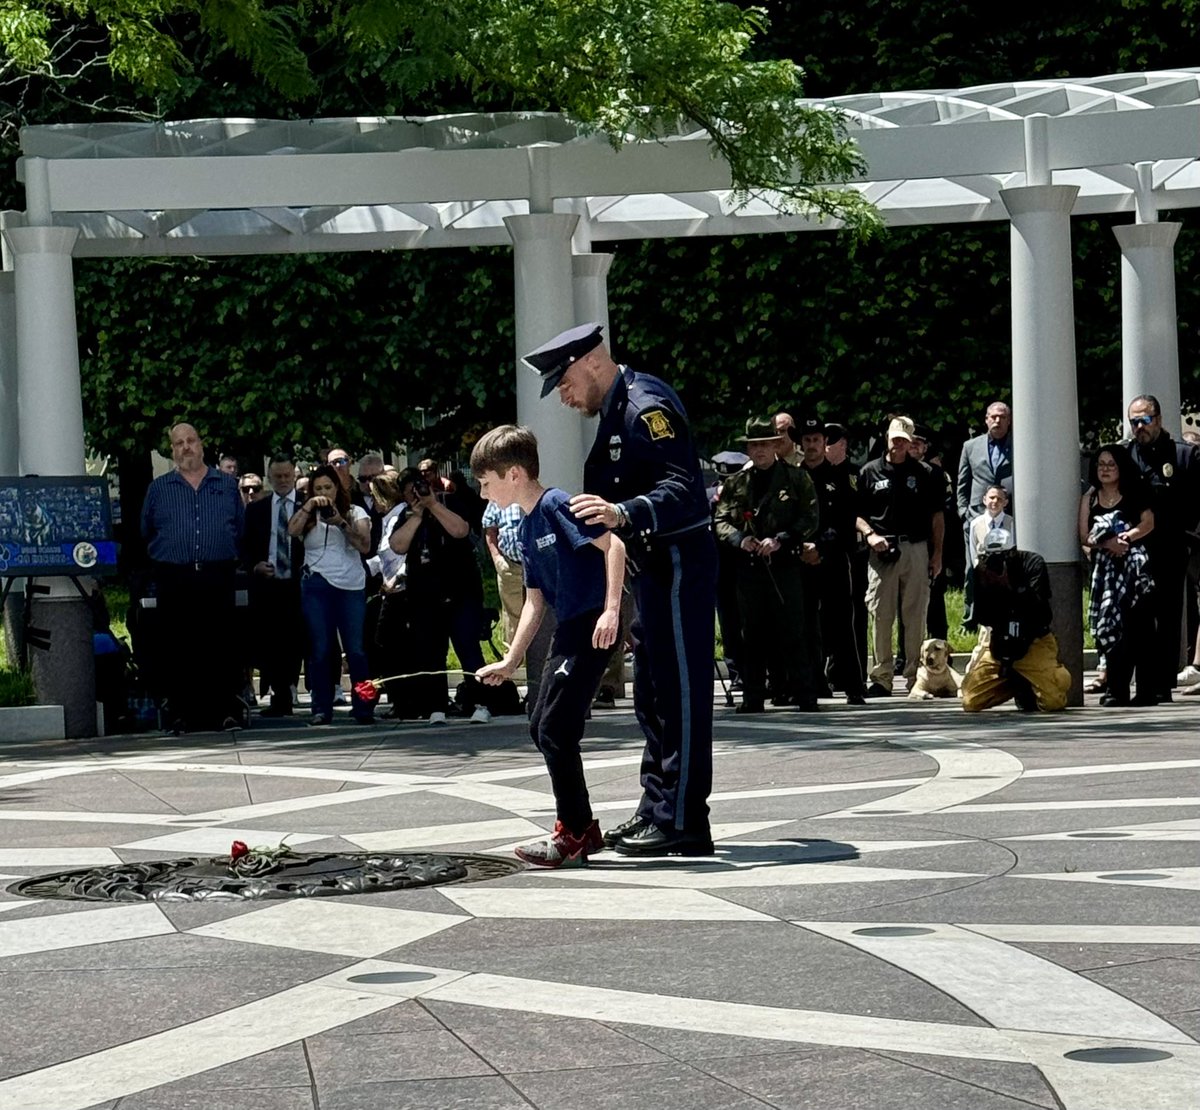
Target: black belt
{"x": 197, "y": 567}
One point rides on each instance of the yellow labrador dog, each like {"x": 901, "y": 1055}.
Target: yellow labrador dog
{"x": 935, "y": 677}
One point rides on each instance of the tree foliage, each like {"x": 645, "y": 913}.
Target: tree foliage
{"x": 634, "y": 70}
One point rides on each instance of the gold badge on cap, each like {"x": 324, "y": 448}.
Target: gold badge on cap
{"x": 1168, "y": 470}
{"x": 658, "y": 425}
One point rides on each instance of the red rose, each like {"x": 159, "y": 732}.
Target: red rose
{"x": 236, "y": 850}
{"x": 367, "y": 691}
{"x": 748, "y": 515}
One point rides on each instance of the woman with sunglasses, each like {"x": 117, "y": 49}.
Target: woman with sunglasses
{"x": 1114, "y": 518}
{"x": 332, "y": 589}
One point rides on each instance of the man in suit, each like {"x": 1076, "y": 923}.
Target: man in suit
{"x": 275, "y": 561}
{"x": 986, "y": 461}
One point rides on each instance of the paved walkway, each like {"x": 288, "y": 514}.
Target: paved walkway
{"x": 908, "y": 908}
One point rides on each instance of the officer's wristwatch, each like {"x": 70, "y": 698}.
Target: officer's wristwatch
{"x": 622, "y": 516}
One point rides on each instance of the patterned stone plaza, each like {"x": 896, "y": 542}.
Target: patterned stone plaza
{"x": 908, "y": 908}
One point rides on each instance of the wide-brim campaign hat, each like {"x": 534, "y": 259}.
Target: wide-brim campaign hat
{"x": 553, "y": 357}
{"x": 759, "y": 428}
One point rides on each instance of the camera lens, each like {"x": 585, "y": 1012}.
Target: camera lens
{"x": 326, "y": 512}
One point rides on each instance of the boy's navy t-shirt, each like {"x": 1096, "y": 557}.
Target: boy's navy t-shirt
{"x": 560, "y": 558}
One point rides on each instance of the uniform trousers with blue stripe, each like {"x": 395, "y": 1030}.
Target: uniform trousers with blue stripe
{"x": 673, "y": 636}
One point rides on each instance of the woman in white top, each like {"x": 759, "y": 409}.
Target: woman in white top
{"x": 332, "y": 589}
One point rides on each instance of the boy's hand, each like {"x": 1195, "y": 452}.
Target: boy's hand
{"x": 607, "y": 627}
{"x": 493, "y": 674}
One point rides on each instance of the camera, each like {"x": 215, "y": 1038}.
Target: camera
{"x": 326, "y": 512}
{"x": 421, "y": 487}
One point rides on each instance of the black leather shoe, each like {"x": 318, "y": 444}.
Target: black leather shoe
{"x": 855, "y": 699}
{"x": 751, "y": 707}
{"x": 807, "y": 707}
{"x": 274, "y": 710}
{"x": 1145, "y": 699}
{"x": 625, "y": 828}
{"x": 650, "y": 840}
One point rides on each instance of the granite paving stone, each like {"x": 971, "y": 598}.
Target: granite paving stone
{"x": 563, "y": 1010}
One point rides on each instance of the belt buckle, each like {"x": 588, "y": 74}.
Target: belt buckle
{"x": 197, "y": 567}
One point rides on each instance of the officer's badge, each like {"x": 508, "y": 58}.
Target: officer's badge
{"x": 854, "y": 482}
{"x": 658, "y": 425}
{"x": 1168, "y": 470}
{"x": 614, "y": 448}
{"x": 831, "y": 487}
{"x": 783, "y": 495}
{"x": 912, "y": 481}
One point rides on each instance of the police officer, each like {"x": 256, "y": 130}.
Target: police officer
{"x": 643, "y": 481}
{"x": 1172, "y": 472}
{"x": 767, "y": 513}
{"x": 829, "y": 592}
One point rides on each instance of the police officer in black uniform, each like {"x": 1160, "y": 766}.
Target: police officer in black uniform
{"x": 830, "y": 601}
{"x": 1172, "y": 472}
{"x": 643, "y": 481}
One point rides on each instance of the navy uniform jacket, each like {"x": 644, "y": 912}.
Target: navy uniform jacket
{"x": 643, "y": 460}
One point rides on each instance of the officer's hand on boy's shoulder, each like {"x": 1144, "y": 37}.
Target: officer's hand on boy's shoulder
{"x": 593, "y": 509}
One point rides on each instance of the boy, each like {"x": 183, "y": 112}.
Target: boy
{"x": 579, "y": 571}
{"x": 994, "y": 515}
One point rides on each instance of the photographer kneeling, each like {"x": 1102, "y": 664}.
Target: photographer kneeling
{"x": 332, "y": 589}
{"x": 445, "y": 592}
{"x": 1017, "y": 656}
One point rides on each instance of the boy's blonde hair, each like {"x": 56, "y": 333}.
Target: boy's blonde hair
{"x": 503, "y": 447}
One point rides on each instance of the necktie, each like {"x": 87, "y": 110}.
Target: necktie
{"x": 283, "y": 542}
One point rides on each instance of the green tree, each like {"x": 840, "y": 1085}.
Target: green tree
{"x": 640, "y": 69}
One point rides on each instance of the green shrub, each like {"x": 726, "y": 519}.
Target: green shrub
{"x": 16, "y": 687}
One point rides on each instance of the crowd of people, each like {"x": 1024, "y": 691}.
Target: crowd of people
{"x": 823, "y": 566}
{"x": 361, "y": 566}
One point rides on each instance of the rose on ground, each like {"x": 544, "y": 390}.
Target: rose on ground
{"x": 238, "y": 849}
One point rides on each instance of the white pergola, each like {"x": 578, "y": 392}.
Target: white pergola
{"x": 1033, "y": 153}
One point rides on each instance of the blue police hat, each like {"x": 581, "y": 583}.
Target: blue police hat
{"x": 729, "y": 462}
{"x": 551, "y": 359}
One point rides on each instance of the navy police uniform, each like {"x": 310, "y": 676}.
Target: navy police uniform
{"x": 643, "y": 461}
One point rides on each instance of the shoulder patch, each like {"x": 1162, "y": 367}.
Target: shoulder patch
{"x": 657, "y": 424}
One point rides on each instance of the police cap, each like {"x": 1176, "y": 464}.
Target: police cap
{"x": 729, "y": 462}
{"x": 835, "y": 433}
{"x": 552, "y": 358}
{"x": 806, "y": 426}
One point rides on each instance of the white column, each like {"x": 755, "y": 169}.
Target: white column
{"x": 50, "y": 422}
{"x": 544, "y": 305}
{"x": 9, "y": 457}
{"x": 1045, "y": 402}
{"x": 591, "y": 303}
{"x": 49, "y": 396}
{"x": 1149, "y": 329}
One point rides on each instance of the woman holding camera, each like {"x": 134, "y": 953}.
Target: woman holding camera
{"x": 332, "y": 589}
{"x": 445, "y": 593}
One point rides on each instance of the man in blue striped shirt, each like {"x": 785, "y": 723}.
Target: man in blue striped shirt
{"x": 192, "y": 522}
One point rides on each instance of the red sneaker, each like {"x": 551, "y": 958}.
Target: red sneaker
{"x": 560, "y": 849}
{"x": 592, "y": 839}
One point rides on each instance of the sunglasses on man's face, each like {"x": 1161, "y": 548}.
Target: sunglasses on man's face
{"x": 1140, "y": 421}
{"x": 251, "y": 489}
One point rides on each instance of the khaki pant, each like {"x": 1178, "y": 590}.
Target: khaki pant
{"x": 899, "y": 587}
{"x": 985, "y": 685}
{"x": 511, "y": 583}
